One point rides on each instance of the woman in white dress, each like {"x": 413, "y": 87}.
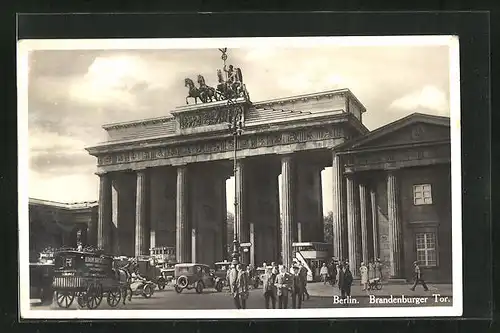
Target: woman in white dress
{"x": 363, "y": 270}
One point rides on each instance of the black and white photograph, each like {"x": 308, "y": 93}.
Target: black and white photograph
{"x": 305, "y": 177}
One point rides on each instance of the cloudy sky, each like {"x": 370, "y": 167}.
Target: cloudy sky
{"x": 72, "y": 93}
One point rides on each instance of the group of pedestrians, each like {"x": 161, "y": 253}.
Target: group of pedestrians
{"x": 280, "y": 284}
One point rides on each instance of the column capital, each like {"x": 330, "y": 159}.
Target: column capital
{"x": 180, "y": 164}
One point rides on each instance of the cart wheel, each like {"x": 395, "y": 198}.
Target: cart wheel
{"x": 256, "y": 283}
{"x": 178, "y": 289}
{"x": 65, "y": 298}
{"x": 82, "y": 299}
{"x": 147, "y": 292}
{"x": 199, "y": 287}
{"x": 378, "y": 286}
{"x": 94, "y": 296}
{"x": 114, "y": 297}
{"x": 161, "y": 283}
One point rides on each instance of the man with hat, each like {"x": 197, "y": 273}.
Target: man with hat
{"x": 233, "y": 284}
{"x": 418, "y": 277}
{"x": 297, "y": 287}
{"x": 269, "y": 288}
{"x": 282, "y": 286}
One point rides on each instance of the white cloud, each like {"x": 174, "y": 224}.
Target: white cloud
{"x": 429, "y": 97}
{"x": 109, "y": 80}
{"x": 42, "y": 140}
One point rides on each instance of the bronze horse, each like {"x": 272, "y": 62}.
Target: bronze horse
{"x": 193, "y": 91}
{"x": 207, "y": 94}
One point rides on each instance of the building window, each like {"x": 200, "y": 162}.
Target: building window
{"x": 426, "y": 248}
{"x": 422, "y": 194}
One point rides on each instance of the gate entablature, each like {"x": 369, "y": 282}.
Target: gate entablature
{"x": 197, "y": 133}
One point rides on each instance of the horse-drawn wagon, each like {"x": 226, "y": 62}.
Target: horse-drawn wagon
{"x": 86, "y": 276}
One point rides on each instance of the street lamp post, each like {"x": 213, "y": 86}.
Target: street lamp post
{"x": 235, "y": 125}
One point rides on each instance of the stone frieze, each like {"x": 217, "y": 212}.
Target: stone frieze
{"x": 413, "y": 154}
{"x": 221, "y": 145}
{"x": 203, "y": 118}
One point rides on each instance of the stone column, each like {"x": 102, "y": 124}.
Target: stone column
{"x": 287, "y": 206}
{"x": 339, "y": 218}
{"x": 141, "y": 228}
{"x": 105, "y": 214}
{"x": 395, "y": 228}
{"x": 321, "y": 227}
{"x": 373, "y": 202}
{"x": 182, "y": 232}
{"x": 352, "y": 226}
{"x": 363, "y": 213}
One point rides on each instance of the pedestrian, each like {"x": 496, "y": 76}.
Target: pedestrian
{"x": 324, "y": 273}
{"x": 371, "y": 269}
{"x": 333, "y": 276}
{"x": 297, "y": 287}
{"x": 269, "y": 287}
{"x": 378, "y": 268}
{"x": 275, "y": 268}
{"x": 282, "y": 287}
{"x": 345, "y": 281}
{"x": 233, "y": 284}
{"x": 418, "y": 277}
{"x": 303, "y": 272}
{"x": 242, "y": 283}
{"x": 363, "y": 272}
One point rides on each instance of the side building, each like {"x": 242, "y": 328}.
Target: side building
{"x": 397, "y": 198}
{"x": 55, "y": 224}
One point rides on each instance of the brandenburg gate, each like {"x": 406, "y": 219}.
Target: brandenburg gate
{"x": 163, "y": 180}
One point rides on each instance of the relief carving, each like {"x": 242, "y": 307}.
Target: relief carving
{"x": 204, "y": 118}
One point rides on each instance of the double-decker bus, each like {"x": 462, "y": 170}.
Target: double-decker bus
{"x": 312, "y": 255}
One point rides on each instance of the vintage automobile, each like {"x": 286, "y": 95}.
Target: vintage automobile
{"x": 195, "y": 276}
{"x": 143, "y": 287}
{"x": 41, "y": 275}
{"x": 220, "y": 271}
{"x": 148, "y": 268}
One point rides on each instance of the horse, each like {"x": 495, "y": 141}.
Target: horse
{"x": 124, "y": 278}
{"x": 193, "y": 91}
{"x": 206, "y": 93}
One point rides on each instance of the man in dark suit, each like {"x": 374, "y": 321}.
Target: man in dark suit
{"x": 419, "y": 278}
{"x": 345, "y": 281}
{"x": 297, "y": 287}
{"x": 269, "y": 288}
{"x": 282, "y": 286}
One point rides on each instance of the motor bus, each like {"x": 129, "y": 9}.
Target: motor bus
{"x": 312, "y": 255}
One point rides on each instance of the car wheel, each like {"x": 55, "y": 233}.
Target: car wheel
{"x": 161, "y": 283}
{"x": 182, "y": 281}
{"x": 147, "y": 291}
{"x": 178, "y": 289}
{"x": 218, "y": 286}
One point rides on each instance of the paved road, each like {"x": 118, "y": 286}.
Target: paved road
{"x": 321, "y": 297}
